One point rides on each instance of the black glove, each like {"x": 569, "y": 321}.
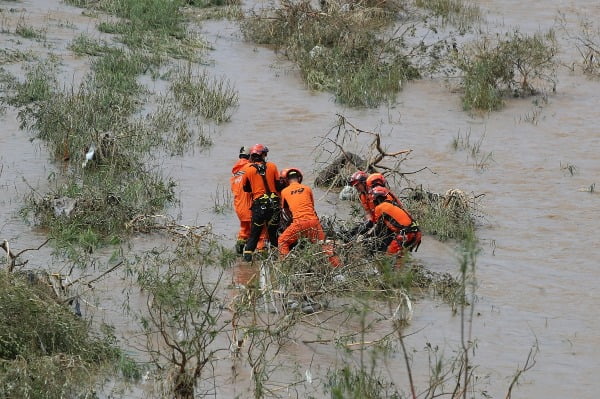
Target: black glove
{"x": 357, "y": 230}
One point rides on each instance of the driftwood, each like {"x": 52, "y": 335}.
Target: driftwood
{"x": 332, "y": 175}
{"x": 344, "y": 162}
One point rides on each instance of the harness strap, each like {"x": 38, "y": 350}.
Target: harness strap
{"x": 262, "y": 173}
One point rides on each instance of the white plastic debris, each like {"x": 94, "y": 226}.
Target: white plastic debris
{"x": 89, "y": 155}
{"x": 308, "y": 375}
{"x": 348, "y": 193}
{"x": 315, "y": 51}
{"x": 404, "y": 310}
{"x": 63, "y": 206}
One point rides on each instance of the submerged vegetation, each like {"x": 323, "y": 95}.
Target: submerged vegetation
{"x": 587, "y": 43}
{"x": 92, "y": 129}
{"x": 517, "y": 65}
{"x": 339, "y": 48}
{"x": 460, "y": 13}
{"x": 211, "y": 98}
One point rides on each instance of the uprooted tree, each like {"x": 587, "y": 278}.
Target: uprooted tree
{"x": 347, "y": 148}
{"x": 342, "y": 162}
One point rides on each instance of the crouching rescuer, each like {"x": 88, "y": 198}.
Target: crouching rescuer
{"x": 261, "y": 179}
{"x": 297, "y": 199}
{"x": 401, "y": 230}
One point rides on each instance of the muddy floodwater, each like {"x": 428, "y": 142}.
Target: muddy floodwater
{"x": 538, "y": 272}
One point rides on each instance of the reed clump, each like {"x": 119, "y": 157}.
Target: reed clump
{"x": 338, "y": 48}
{"x": 517, "y": 65}
{"x": 206, "y": 96}
{"x": 461, "y": 13}
{"x": 453, "y": 215}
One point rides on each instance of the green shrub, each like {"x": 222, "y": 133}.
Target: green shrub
{"x": 45, "y": 350}
{"x": 518, "y": 65}
{"x": 341, "y": 51}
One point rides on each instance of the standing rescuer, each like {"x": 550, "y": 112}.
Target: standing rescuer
{"x": 261, "y": 179}
{"x": 298, "y": 200}
{"x": 242, "y": 201}
{"x": 402, "y": 231}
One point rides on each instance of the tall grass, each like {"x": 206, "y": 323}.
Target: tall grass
{"x": 461, "y": 13}
{"x": 36, "y": 88}
{"x": 83, "y": 44}
{"x": 27, "y": 31}
{"x": 154, "y": 26}
{"x": 119, "y": 182}
{"x": 340, "y": 51}
{"x": 210, "y": 97}
{"x": 349, "y": 383}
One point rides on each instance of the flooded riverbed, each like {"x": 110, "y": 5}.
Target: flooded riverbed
{"x": 537, "y": 272}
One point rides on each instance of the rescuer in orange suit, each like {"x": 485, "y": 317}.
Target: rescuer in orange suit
{"x": 378, "y": 180}
{"x": 358, "y": 180}
{"x": 261, "y": 180}
{"x": 401, "y": 230}
{"x": 242, "y": 201}
{"x": 298, "y": 200}
{"x": 363, "y": 183}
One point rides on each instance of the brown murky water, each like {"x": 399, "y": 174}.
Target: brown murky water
{"x": 538, "y": 271}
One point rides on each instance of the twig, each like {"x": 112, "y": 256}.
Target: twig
{"x": 89, "y": 283}
{"x": 12, "y": 257}
{"x": 529, "y": 363}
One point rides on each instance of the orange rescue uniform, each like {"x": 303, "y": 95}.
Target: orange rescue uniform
{"x": 298, "y": 198}
{"x": 260, "y": 180}
{"x": 242, "y": 201}
{"x": 253, "y": 182}
{"x": 403, "y": 232}
{"x": 368, "y": 205}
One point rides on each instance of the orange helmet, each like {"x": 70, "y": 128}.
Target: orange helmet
{"x": 357, "y": 177}
{"x": 258, "y": 149}
{"x": 283, "y": 183}
{"x": 379, "y": 194}
{"x": 285, "y": 174}
{"x": 375, "y": 180}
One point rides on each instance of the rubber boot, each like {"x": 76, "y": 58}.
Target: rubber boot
{"x": 239, "y": 246}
